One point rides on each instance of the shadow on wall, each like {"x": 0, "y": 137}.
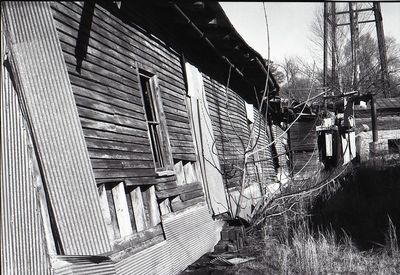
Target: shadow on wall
{"x": 361, "y": 207}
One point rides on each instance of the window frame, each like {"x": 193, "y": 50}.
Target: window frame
{"x": 167, "y": 167}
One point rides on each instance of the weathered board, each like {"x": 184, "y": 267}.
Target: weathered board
{"x": 101, "y": 52}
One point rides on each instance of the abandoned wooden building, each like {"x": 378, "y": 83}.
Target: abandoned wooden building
{"x": 387, "y": 129}
{"x": 122, "y": 134}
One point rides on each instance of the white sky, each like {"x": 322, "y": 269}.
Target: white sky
{"x": 289, "y": 25}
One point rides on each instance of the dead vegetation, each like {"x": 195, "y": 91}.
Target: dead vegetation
{"x": 289, "y": 243}
{"x": 283, "y": 248}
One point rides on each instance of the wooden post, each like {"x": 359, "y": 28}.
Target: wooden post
{"x": 373, "y": 120}
{"x": 138, "y": 209}
{"x": 381, "y": 47}
{"x": 334, "y": 47}
{"x": 325, "y": 43}
{"x": 354, "y": 43}
{"x": 105, "y": 209}
{"x": 121, "y": 208}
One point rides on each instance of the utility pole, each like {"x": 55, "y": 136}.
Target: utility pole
{"x": 382, "y": 48}
{"x": 334, "y": 81}
{"x": 325, "y": 44}
{"x": 354, "y": 37}
{"x": 325, "y": 70}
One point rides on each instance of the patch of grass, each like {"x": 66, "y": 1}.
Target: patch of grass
{"x": 306, "y": 252}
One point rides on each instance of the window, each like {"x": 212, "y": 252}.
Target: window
{"x": 156, "y": 122}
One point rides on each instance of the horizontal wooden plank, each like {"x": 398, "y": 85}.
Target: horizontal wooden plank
{"x": 126, "y": 76}
{"x": 180, "y": 125}
{"x": 91, "y": 101}
{"x": 181, "y": 143}
{"x": 186, "y": 188}
{"x": 162, "y": 52}
{"x": 100, "y": 67}
{"x": 103, "y": 88}
{"x": 91, "y": 74}
{"x": 166, "y": 185}
{"x": 110, "y": 127}
{"x": 183, "y": 150}
{"x": 103, "y": 135}
{"x": 191, "y": 195}
{"x": 173, "y": 106}
{"x": 121, "y": 164}
{"x": 124, "y": 173}
{"x": 145, "y": 181}
{"x": 133, "y": 102}
{"x": 176, "y": 206}
{"x": 116, "y": 119}
{"x": 114, "y": 154}
{"x": 70, "y": 44}
{"x": 120, "y": 25}
{"x": 103, "y": 31}
{"x": 116, "y": 145}
{"x": 179, "y": 156}
{"x": 178, "y": 117}
{"x": 181, "y": 137}
{"x": 137, "y": 239}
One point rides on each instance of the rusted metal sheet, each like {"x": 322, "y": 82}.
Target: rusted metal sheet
{"x": 23, "y": 248}
{"x": 42, "y": 81}
{"x": 188, "y": 236}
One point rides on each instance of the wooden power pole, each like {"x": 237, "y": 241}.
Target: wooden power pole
{"x": 382, "y": 48}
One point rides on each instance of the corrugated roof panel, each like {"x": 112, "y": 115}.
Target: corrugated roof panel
{"x": 39, "y": 68}
{"x": 23, "y": 246}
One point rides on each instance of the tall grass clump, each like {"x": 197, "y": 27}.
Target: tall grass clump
{"x": 321, "y": 252}
{"x": 297, "y": 249}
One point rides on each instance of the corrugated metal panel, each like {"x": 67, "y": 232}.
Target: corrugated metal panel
{"x": 81, "y": 265}
{"x": 280, "y": 145}
{"x": 23, "y": 248}
{"x": 188, "y": 236}
{"x": 41, "y": 73}
{"x": 265, "y": 155}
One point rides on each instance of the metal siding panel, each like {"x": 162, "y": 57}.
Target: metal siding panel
{"x": 189, "y": 235}
{"x": 40, "y": 70}
{"x": 280, "y": 145}
{"x": 81, "y": 265}
{"x": 23, "y": 246}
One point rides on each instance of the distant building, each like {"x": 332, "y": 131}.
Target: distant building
{"x": 388, "y": 125}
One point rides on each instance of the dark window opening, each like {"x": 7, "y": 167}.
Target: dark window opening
{"x": 156, "y": 125}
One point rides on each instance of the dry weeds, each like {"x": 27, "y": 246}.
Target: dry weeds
{"x": 303, "y": 252}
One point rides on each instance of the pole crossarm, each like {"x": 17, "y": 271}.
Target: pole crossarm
{"x": 359, "y": 22}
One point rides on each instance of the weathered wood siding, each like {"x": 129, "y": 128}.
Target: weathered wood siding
{"x": 101, "y": 52}
{"x": 303, "y": 143}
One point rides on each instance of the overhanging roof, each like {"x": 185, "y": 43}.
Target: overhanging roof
{"x": 203, "y": 33}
